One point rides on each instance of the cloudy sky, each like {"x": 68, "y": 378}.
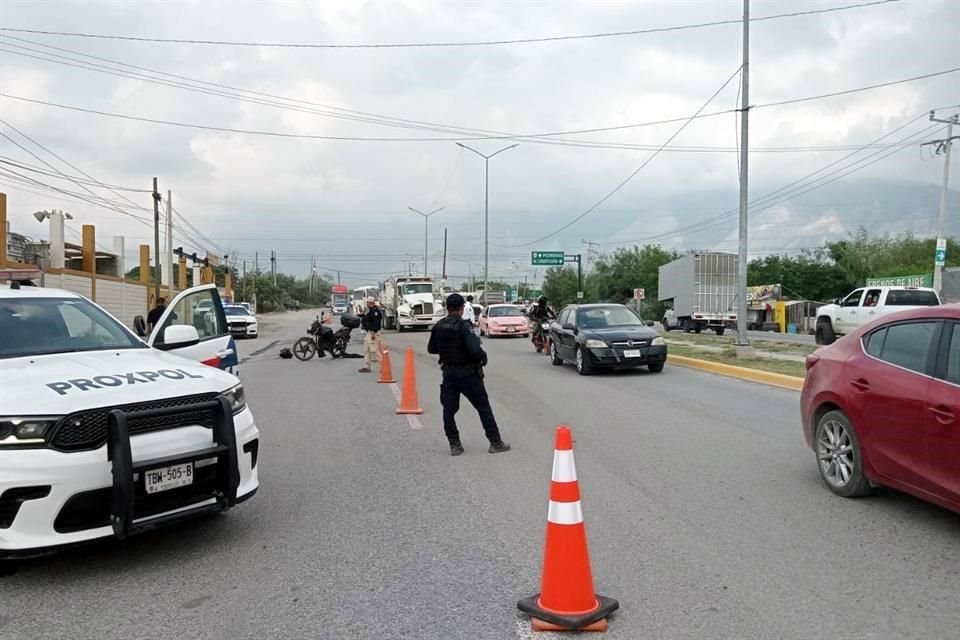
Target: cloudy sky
{"x": 345, "y": 202}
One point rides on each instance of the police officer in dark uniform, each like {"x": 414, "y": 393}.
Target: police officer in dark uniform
{"x": 462, "y": 359}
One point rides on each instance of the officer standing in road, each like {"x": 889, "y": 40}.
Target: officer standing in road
{"x": 371, "y": 322}
{"x": 462, "y": 359}
{"x": 469, "y": 314}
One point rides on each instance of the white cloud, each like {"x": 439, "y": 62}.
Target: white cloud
{"x": 257, "y": 193}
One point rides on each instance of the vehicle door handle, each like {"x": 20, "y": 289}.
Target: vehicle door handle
{"x": 860, "y": 384}
{"x": 942, "y": 414}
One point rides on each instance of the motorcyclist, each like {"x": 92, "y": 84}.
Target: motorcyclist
{"x": 540, "y": 311}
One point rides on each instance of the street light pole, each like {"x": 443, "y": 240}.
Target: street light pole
{"x": 486, "y": 206}
{"x": 426, "y": 234}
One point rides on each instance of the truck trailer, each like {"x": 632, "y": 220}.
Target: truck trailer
{"x": 700, "y": 292}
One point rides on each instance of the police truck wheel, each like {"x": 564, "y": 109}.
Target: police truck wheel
{"x": 304, "y": 348}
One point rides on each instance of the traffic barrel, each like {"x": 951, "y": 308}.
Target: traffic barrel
{"x": 566, "y": 601}
{"x": 386, "y": 371}
{"x": 409, "y": 401}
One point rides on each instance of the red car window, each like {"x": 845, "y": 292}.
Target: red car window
{"x": 906, "y": 345}
{"x": 953, "y": 356}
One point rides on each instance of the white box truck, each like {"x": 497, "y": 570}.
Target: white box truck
{"x": 700, "y": 292}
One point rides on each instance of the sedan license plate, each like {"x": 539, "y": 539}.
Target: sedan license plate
{"x": 510, "y": 329}
{"x": 633, "y": 353}
{"x": 165, "y": 478}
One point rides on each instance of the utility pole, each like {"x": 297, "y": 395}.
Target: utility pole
{"x": 156, "y": 240}
{"x": 743, "y": 348}
{"x": 591, "y": 252}
{"x": 426, "y": 234}
{"x": 273, "y": 266}
{"x": 486, "y": 206}
{"x": 170, "y": 241}
{"x": 338, "y": 277}
{"x": 243, "y": 279}
{"x": 941, "y": 248}
{"x": 443, "y": 276}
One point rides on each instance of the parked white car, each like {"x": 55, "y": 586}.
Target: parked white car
{"x": 242, "y": 323}
{"x": 104, "y": 434}
{"x": 865, "y": 305}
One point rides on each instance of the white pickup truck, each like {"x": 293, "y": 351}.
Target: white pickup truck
{"x": 865, "y": 305}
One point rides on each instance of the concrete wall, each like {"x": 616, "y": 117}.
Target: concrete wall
{"x": 124, "y": 299}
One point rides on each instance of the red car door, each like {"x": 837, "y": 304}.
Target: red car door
{"x": 887, "y": 385}
{"x": 943, "y": 417}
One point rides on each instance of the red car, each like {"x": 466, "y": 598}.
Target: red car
{"x": 881, "y": 406}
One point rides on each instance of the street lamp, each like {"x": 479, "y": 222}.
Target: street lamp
{"x": 486, "y": 206}
{"x": 426, "y": 220}
{"x": 57, "y": 239}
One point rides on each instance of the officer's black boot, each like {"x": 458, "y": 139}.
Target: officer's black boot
{"x": 456, "y": 448}
{"x": 498, "y": 447}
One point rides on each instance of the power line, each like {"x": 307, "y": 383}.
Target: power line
{"x": 410, "y": 45}
{"x": 370, "y": 118}
{"x": 624, "y": 182}
{"x": 301, "y": 136}
{"x": 34, "y": 169}
{"x": 785, "y": 193}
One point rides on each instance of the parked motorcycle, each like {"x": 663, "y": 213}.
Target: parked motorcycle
{"x": 540, "y": 336}
{"x": 322, "y": 338}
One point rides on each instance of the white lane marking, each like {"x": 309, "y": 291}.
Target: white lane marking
{"x": 412, "y": 421}
{"x": 565, "y": 513}
{"x": 564, "y": 469}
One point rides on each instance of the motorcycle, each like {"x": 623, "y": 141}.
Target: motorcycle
{"x": 540, "y": 336}
{"x": 322, "y": 338}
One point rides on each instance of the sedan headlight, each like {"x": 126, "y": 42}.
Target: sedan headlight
{"x": 25, "y": 431}
{"x": 237, "y": 399}
{"x": 595, "y": 344}
{"x": 658, "y": 342}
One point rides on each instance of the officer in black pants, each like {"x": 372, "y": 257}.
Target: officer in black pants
{"x": 462, "y": 359}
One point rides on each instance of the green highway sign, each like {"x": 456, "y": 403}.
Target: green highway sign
{"x": 546, "y": 258}
{"x": 940, "y": 257}
{"x": 919, "y": 280}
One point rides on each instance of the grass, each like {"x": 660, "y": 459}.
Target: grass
{"x": 727, "y": 356}
{"x": 727, "y": 341}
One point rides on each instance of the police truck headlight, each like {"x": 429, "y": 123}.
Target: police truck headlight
{"x": 16, "y": 431}
{"x": 658, "y": 342}
{"x": 237, "y": 399}
{"x": 595, "y": 344}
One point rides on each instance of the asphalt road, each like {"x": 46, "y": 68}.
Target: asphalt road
{"x": 704, "y": 512}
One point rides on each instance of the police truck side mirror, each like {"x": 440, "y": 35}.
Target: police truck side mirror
{"x": 180, "y": 335}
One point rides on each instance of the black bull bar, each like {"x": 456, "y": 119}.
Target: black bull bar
{"x": 224, "y": 449}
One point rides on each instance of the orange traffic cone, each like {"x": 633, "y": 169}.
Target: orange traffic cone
{"x": 566, "y": 601}
{"x": 386, "y": 371}
{"x": 409, "y": 402}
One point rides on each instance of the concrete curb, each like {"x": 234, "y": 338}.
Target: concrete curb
{"x": 780, "y": 380}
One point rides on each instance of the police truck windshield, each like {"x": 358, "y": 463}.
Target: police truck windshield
{"x": 40, "y": 326}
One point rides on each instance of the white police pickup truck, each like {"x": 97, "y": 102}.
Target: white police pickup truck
{"x": 104, "y": 434}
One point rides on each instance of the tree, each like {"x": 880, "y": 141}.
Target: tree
{"x": 614, "y": 277}
{"x": 560, "y": 286}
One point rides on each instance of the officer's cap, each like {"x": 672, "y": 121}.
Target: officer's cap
{"x": 455, "y": 301}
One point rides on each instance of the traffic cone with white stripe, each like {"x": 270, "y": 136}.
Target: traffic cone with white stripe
{"x": 566, "y": 601}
